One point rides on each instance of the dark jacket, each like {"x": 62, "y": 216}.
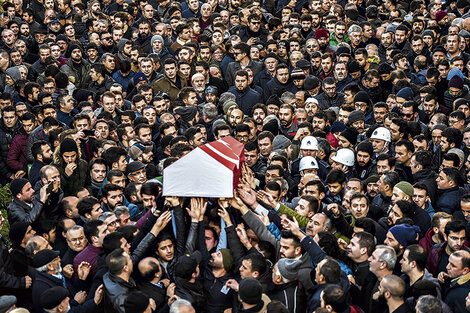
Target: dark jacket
{"x": 435, "y": 257}
{"x": 449, "y": 99}
{"x": 81, "y": 73}
{"x": 456, "y": 293}
{"x": 103, "y": 87}
{"x": 19, "y": 211}
{"x": 246, "y": 99}
{"x": 428, "y": 177}
{"x": 6, "y": 137}
{"x": 7, "y": 279}
{"x": 43, "y": 282}
{"x": 262, "y": 78}
{"x": 115, "y": 292}
{"x": 325, "y": 102}
{"x": 70, "y": 184}
{"x": 275, "y": 87}
{"x": 291, "y": 295}
{"x": 233, "y": 67}
{"x": 449, "y": 200}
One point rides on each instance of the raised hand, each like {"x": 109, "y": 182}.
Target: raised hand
{"x": 80, "y": 297}
{"x": 161, "y": 222}
{"x": 99, "y": 294}
{"x": 248, "y": 196}
{"x": 83, "y": 270}
{"x": 222, "y": 212}
{"x": 266, "y": 198}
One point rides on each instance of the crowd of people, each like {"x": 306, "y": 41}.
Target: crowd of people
{"x": 353, "y": 195}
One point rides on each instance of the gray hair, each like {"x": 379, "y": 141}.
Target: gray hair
{"x": 287, "y": 97}
{"x": 120, "y": 210}
{"x": 105, "y": 215}
{"x": 388, "y": 256}
{"x": 74, "y": 227}
{"x": 175, "y": 307}
{"x": 354, "y": 29}
{"x": 209, "y": 110}
{"x": 104, "y": 56}
{"x": 428, "y": 304}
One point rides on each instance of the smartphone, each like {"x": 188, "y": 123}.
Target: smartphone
{"x": 50, "y": 187}
{"x": 88, "y": 132}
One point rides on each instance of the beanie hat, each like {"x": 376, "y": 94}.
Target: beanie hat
{"x": 52, "y": 297}
{"x": 337, "y": 127}
{"x": 321, "y": 33}
{"x": 250, "y": 291}
{"x": 353, "y": 66}
{"x": 6, "y": 302}
{"x": 362, "y": 96}
{"x": 366, "y": 147}
{"x": 281, "y": 142}
{"x": 372, "y": 179}
{"x": 228, "y": 105}
{"x": 139, "y": 77}
{"x": 440, "y": 15}
{"x": 355, "y": 116}
{"x": 17, "y": 232}
{"x": 456, "y": 82}
{"x": 17, "y": 185}
{"x": 392, "y": 28}
{"x": 186, "y": 113}
{"x": 311, "y": 82}
{"x": 288, "y": 268}
{"x": 272, "y": 126}
{"x": 227, "y": 259}
{"x": 428, "y": 32}
{"x": 406, "y": 187}
{"x": 406, "y": 93}
{"x": 439, "y": 48}
{"x": 92, "y": 45}
{"x": 405, "y": 234}
{"x": 274, "y": 99}
{"x": 68, "y": 145}
{"x": 44, "y": 257}
{"x": 303, "y": 64}
{"x": 136, "y": 302}
{"x": 350, "y": 134}
{"x": 156, "y": 37}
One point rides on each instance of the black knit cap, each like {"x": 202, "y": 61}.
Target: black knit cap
{"x": 136, "y": 302}
{"x": 366, "y": 147}
{"x": 44, "y": 257}
{"x": 68, "y": 145}
{"x": 250, "y": 291}
{"x": 17, "y": 232}
{"x": 17, "y": 185}
{"x": 274, "y": 99}
{"x": 350, "y": 134}
{"x": 186, "y": 113}
{"x": 52, "y": 297}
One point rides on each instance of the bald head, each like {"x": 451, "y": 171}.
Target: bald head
{"x": 149, "y": 268}
{"x": 395, "y": 285}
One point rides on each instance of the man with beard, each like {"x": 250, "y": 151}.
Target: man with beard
{"x": 342, "y": 76}
{"x": 199, "y": 84}
{"x": 439, "y": 256}
{"x": 259, "y": 113}
{"x": 370, "y": 83}
{"x": 330, "y": 97}
{"x": 355, "y": 35}
{"x": 279, "y": 83}
{"x": 144, "y": 37}
{"x": 253, "y": 31}
{"x": 43, "y": 155}
{"x": 112, "y": 197}
{"x": 435, "y": 235}
{"x": 77, "y": 68}
{"x": 399, "y": 237}
{"x": 327, "y": 65}
{"x": 235, "y": 118}
{"x": 386, "y": 41}
{"x": 339, "y": 34}
{"x": 323, "y": 38}
{"x": 246, "y": 97}
{"x": 364, "y": 166}
{"x": 401, "y": 40}
{"x": 288, "y": 120}
{"x": 392, "y": 291}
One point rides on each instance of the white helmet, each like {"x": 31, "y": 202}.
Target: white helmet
{"x": 307, "y": 163}
{"x": 344, "y": 156}
{"x": 309, "y": 143}
{"x": 381, "y": 133}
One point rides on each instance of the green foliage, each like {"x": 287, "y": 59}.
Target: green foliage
{"x": 5, "y": 199}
